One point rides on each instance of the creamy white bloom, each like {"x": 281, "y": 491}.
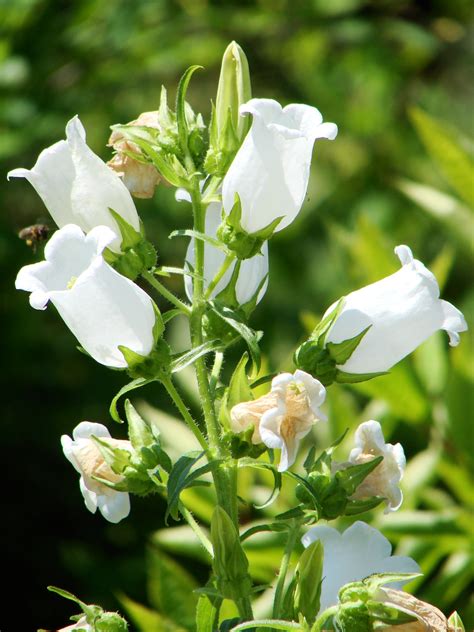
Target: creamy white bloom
{"x": 284, "y": 416}
{"x": 402, "y": 310}
{"x": 353, "y": 555}
{"x": 270, "y": 172}
{"x": 385, "y": 479}
{"x": 252, "y": 271}
{"x": 80, "y": 625}
{"x": 77, "y": 187}
{"x": 102, "y": 308}
{"x": 87, "y": 459}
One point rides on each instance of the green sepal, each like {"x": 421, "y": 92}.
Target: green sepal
{"x": 96, "y": 618}
{"x": 117, "y": 459}
{"x": 154, "y": 366}
{"x": 181, "y": 118}
{"x": 230, "y": 564}
{"x": 137, "y": 254}
{"x": 262, "y": 465}
{"x": 140, "y": 433}
{"x": 222, "y": 147}
{"x": 244, "y": 245}
{"x": 353, "y": 378}
{"x": 131, "y": 386}
{"x": 309, "y": 575}
{"x": 351, "y": 477}
{"x": 355, "y": 507}
{"x": 340, "y": 352}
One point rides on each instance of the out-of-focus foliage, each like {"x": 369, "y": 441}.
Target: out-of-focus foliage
{"x": 396, "y": 78}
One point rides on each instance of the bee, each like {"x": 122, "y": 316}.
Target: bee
{"x": 34, "y": 235}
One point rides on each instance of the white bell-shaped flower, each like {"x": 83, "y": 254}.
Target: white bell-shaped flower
{"x": 402, "y": 311}
{"x": 87, "y": 459}
{"x": 252, "y": 271}
{"x": 284, "y": 416}
{"x": 354, "y": 555}
{"x": 385, "y": 479}
{"x": 102, "y": 308}
{"x": 270, "y": 171}
{"x": 77, "y": 187}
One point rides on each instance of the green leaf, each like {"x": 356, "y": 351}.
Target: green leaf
{"x": 183, "y": 130}
{"x": 451, "y": 213}
{"x": 182, "y": 477}
{"x": 354, "y": 378}
{"x": 171, "y": 589}
{"x": 277, "y": 478}
{"x": 182, "y": 360}
{"x": 170, "y": 314}
{"x": 131, "y": 386}
{"x": 250, "y": 336}
{"x": 130, "y": 236}
{"x": 206, "y": 614}
{"x": 342, "y": 351}
{"x": 455, "y": 164}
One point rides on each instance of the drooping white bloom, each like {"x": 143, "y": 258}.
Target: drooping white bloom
{"x": 270, "y": 172}
{"x": 252, "y": 271}
{"x": 102, "y": 308}
{"x": 385, "y": 479}
{"x": 284, "y": 416}
{"x": 87, "y": 459}
{"x": 353, "y": 555}
{"x": 402, "y": 310}
{"x": 77, "y": 187}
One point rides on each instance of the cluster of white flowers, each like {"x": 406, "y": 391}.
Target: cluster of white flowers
{"x": 108, "y": 313}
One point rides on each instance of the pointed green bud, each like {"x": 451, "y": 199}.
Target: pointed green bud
{"x": 456, "y": 623}
{"x": 139, "y": 432}
{"x": 230, "y": 563}
{"x": 309, "y": 574}
{"x": 234, "y": 90}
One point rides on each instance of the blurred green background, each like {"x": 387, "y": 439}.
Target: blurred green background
{"x": 396, "y": 76}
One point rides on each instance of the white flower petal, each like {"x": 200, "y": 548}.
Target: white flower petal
{"x": 52, "y": 177}
{"x": 114, "y": 506}
{"x": 90, "y": 497}
{"x": 102, "y": 308}
{"x": 402, "y": 311}
{"x": 85, "y": 429}
{"x": 96, "y": 188}
{"x": 271, "y": 169}
{"x": 353, "y": 555}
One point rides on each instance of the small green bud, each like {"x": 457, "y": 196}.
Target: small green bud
{"x": 230, "y": 563}
{"x": 234, "y": 90}
{"x": 111, "y": 622}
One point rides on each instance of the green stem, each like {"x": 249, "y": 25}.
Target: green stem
{"x": 285, "y": 563}
{"x": 220, "y": 273}
{"x": 202, "y": 537}
{"x": 225, "y": 476}
{"x": 159, "y": 287}
{"x": 321, "y": 620}
{"x": 188, "y": 418}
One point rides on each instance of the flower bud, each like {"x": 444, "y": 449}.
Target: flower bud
{"x": 230, "y": 563}
{"x": 234, "y": 90}
{"x": 88, "y": 460}
{"x": 139, "y": 176}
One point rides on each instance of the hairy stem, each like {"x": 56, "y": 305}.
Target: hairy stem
{"x": 188, "y": 418}
{"x": 159, "y": 287}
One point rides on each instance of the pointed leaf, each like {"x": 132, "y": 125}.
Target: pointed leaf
{"x": 342, "y": 351}
{"x": 134, "y": 384}
{"x": 183, "y": 360}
